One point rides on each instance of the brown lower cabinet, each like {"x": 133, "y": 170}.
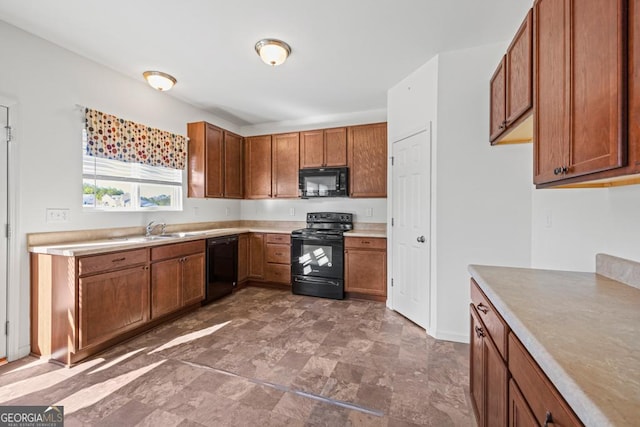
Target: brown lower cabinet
{"x": 82, "y": 305}
{"x": 529, "y": 398}
{"x": 112, "y": 303}
{"x": 488, "y": 376}
{"x": 177, "y": 276}
{"x": 243, "y": 258}
{"x": 270, "y": 258}
{"x": 365, "y": 271}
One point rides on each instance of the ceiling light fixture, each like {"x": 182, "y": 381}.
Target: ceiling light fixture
{"x": 273, "y": 52}
{"x": 159, "y": 80}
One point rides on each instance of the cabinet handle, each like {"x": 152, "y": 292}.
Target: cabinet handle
{"x": 548, "y": 419}
{"x": 278, "y": 254}
{"x": 482, "y": 308}
{"x": 479, "y": 332}
{"x": 365, "y": 242}
{"x": 118, "y": 259}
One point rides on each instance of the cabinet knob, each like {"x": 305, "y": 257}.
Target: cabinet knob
{"x": 482, "y": 308}
{"x": 557, "y": 171}
{"x": 479, "y": 332}
{"x": 548, "y": 421}
{"x": 421, "y": 239}
{"x": 565, "y": 169}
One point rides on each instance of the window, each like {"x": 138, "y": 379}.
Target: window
{"x": 112, "y": 185}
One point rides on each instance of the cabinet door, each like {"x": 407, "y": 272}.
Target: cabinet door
{"x": 497, "y": 120}
{"x": 258, "y": 167}
{"x": 286, "y": 157}
{"x": 519, "y": 65}
{"x": 193, "y": 279}
{"x": 476, "y": 370}
{"x": 312, "y": 149}
{"x": 243, "y": 257}
{"x": 366, "y": 271}
{"x": 598, "y": 88}
{"x": 166, "y": 292}
{"x": 367, "y": 152}
{"x": 335, "y": 147}
{"x": 112, "y": 303}
{"x": 214, "y": 172}
{"x": 496, "y": 377}
{"x": 232, "y": 166}
{"x": 551, "y": 88}
{"x": 580, "y": 94}
{"x": 256, "y": 256}
{"x": 520, "y": 414}
{"x": 634, "y": 81}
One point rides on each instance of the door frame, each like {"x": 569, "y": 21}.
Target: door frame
{"x": 428, "y": 127}
{"x": 14, "y": 265}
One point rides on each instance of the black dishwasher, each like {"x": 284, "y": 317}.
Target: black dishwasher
{"x": 222, "y": 267}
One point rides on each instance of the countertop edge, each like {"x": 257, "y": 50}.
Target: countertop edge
{"x": 67, "y": 249}
{"x": 585, "y": 408}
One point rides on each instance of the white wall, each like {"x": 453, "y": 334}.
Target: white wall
{"x": 582, "y": 223}
{"x": 47, "y": 82}
{"x": 281, "y": 210}
{"x": 482, "y": 194}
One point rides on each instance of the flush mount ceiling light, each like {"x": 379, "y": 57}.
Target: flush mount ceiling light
{"x": 273, "y": 52}
{"x": 159, "y": 80}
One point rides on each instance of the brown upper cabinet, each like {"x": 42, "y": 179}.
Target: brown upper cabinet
{"x": 285, "y": 165}
{"x": 367, "y": 155}
{"x": 271, "y": 164}
{"x": 512, "y": 90}
{"x": 233, "y": 166}
{"x": 323, "y": 148}
{"x": 215, "y": 162}
{"x": 258, "y": 167}
{"x": 580, "y": 90}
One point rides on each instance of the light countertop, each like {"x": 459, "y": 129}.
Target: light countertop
{"x": 583, "y": 329}
{"x": 120, "y": 243}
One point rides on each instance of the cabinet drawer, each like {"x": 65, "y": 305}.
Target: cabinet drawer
{"x": 112, "y": 261}
{"x": 278, "y": 273}
{"x": 494, "y": 323}
{"x": 365, "y": 242}
{"x": 536, "y": 388}
{"x": 177, "y": 250}
{"x": 279, "y": 254}
{"x": 279, "y": 238}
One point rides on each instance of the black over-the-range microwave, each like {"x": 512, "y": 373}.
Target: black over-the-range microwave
{"x": 324, "y": 182}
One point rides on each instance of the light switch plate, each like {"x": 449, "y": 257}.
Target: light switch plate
{"x": 57, "y": 215}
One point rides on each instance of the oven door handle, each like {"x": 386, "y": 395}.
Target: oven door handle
{"x": 324, "y": 237}
{"x": 322, "y": 281}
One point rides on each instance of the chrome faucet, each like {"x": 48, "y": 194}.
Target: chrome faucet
{"x": 151, "y": 227}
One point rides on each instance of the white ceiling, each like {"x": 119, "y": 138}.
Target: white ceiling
{"x": 345, "y": 53}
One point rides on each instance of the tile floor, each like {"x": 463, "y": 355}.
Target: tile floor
{"x": 261, "y": 357}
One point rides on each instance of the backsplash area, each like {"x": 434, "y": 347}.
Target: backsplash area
{"x": 364, "y": 210}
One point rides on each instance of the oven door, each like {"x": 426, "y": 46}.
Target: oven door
{"x": 317, "y": 256}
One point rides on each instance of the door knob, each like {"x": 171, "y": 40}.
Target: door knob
{"x": 421, "y": 239}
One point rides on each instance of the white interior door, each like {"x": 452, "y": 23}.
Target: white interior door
{"x": 4, "y": 123}
{"x": 411, "y": 207}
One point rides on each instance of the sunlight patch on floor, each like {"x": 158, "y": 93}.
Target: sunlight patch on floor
{"x": 90, "y": 395}
{"x": 191, "y": 337}
{"x": 117, "y": 360}
{"x": 43, "y": 381}
{"x": 33, "y": 364}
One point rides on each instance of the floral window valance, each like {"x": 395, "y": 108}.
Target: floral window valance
{"x": 118, "y": 139}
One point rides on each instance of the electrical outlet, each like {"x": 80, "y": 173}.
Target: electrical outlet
{"x": 368, "y": 212}
{"x": 226, "y": 211}
{"x": 292, "y": 211}
{"x": 57, "y": 215}
{"x": 549, "y": 220}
